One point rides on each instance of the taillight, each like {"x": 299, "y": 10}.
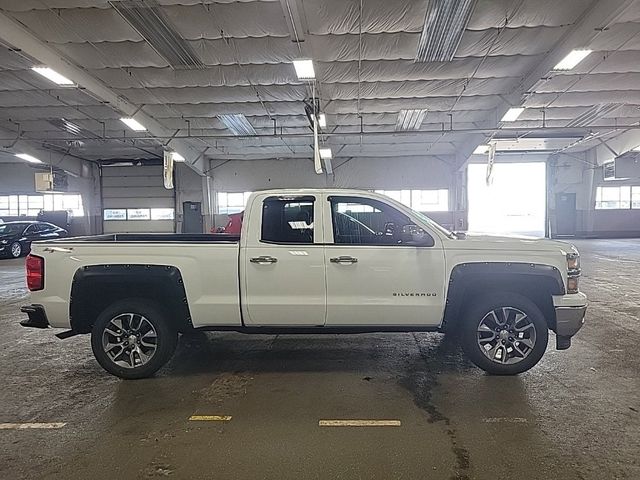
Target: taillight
{"x": 35, "y": 273}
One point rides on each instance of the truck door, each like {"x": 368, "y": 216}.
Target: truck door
{"x": 283, "y": 262}
{"x": 376, "y": 273}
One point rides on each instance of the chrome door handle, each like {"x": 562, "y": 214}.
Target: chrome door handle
{"x": 263, "y": 259}
{"x": 343, "y": 259}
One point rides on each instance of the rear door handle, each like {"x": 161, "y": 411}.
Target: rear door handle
{"x": 343, "y": 259}
{"x": 263, "y": 259}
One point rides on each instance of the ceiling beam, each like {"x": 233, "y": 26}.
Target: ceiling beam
{"x": 17, "y": 35}
{"x": 588, "y": 26}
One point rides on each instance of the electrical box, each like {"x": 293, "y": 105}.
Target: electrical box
{"x": 51, "y": 182}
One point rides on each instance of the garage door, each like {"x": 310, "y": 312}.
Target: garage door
{"x": 134, "y": 200}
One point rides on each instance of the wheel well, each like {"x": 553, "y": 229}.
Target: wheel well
{"x": 96, "y": 287}
{"x": 468, "y": 284}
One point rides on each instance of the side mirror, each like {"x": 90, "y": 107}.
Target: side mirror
{"x": 415, "y": 236}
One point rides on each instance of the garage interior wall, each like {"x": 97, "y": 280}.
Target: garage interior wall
{"x": 136, "y": 187}
{"x": 19, "y": 179}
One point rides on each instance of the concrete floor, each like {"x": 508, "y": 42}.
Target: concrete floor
{"x": 574, "y": 416}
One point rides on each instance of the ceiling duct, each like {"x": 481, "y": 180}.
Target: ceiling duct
{"x": 72, "y": 128}
{"x": 147, "y": 18}
{"x": 238, "y": 124}
{"x": 593, "y": 114}
{"x": 410, "y": 119}
{"x": 444, "y": 25}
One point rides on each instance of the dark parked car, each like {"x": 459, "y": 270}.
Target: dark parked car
{"x": 16, "y": 237}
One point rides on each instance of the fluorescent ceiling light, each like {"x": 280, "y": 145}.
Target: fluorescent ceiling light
{"x": 481, "y": 149}
{"x": 444, "y": 23}
{"x": 237, "y": 123}
{"x": 322, "y": 120}
{"x": 133, "y": 124}
{"x": 325, "y": 153}
{"x": 572, "y": 59}
{"x": 593, "y": 113}
{"x": 28, "y": 158}
{"x": 410, "y": 119}
{"x": 148, "y": 19}
{"x": 52, "y": 75}
{"x": 304, "y": 69}
{"x": 512, "y": 114}
{"x": 177, "y": 157}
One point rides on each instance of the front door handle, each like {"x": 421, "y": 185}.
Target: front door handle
{"x": 343, "y": 259}
{"x": 263, "y": 259}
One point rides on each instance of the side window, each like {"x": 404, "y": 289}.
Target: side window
{"x": 287, "y": 220}
{"x": 31, "y": 229}
{"x": 363, "y": 221}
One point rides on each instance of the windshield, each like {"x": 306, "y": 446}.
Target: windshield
{"x": 435, "y": 225}
{"x": 11, "y": 228}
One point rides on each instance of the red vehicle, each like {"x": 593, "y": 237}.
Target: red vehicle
{"x": 234, "y": 225}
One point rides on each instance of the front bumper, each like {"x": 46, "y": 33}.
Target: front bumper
{"x": 570, "y": 312}
{"x": 37, "y": 317}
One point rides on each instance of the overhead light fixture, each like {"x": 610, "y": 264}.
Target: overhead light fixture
{"x": 512, "y": 114}
{"x": 133, "y": 124}
{"x": 148, "y": 19}
{"x": 177, "y": 157}
{"x": 444, "y": 23}
{"x": 304, "y": 69}
{"x": 410, "y": 119}
{"x": 322, "y": 120}
{"x": 325, "y": 154}
{"x": 592, "y": 114}
{"x": 72, "y": 128}
{"x": 28, "y": 158}
{"x": 52, "y": 75}
{"x": 481, "y": 149}
{"x": 572, "y": 59}
{"x": 637, "y": 149}
{"x": 237, "y": 123}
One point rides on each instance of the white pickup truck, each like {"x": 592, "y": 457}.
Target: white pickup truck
{"x": 309, "y": 261}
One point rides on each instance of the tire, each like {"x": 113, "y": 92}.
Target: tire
{"x": 140, "y": 353}
{"x": 488, "y": 346}
{"x": 15, "y": 250}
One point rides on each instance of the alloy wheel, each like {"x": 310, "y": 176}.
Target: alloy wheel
{"x": 130, "y": 340}
{"x": 506, "y": 335}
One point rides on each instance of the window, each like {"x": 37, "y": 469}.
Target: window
{"x": 421, "y": 200}
{"x": 138, "y": 214}
{"x": 228, "y": 203}
{"x": 162, "y": 213}
{"x": 287, "y": 220}
{"x": 363, "y": 221}
{"x": 615, "y": 197}
{"x": 31, "y": 205}
{"x": 114, "y": 214}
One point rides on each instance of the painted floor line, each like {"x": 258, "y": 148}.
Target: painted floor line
{"x": 210, "y": 418}
{"x": 25, "y": 426}
{"x": 359, "y": 423}
{"x": 504, "y": 420}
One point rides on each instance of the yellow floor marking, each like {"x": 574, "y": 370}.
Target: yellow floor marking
{"x": 359, "y": 423}
{"x": 210, "y": 418}
{"x": 25, "y": 426}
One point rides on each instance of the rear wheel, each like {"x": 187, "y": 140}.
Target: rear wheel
{"x": 15, "y": 250}
{"x": 504, "y": 333}
{"x": 131, "y": 339}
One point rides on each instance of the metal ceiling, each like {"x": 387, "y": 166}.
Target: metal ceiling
{"x": 200, "y": 61}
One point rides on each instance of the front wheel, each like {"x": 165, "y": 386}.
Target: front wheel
{"x": 16, "y": 250}
{"x": 131, "y": 339}
{"x": 504, "y": 333}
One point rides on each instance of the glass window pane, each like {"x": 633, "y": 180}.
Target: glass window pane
{"x": 162, "y": 214}
{"x": 138, "y": 214}
{"x": 115, "y": 214}
{"x": 635, "y": 197}
{"x": 287, "y": 221}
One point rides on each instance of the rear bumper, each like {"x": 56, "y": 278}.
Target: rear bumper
{"x": 37, "y": 317}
